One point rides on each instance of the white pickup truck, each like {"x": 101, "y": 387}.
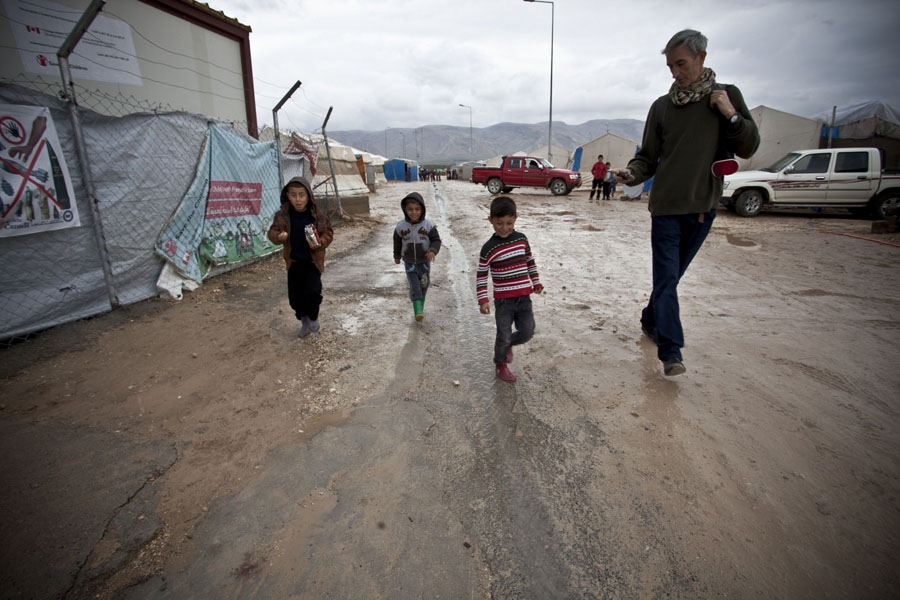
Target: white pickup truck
{"x": 849, "y": 178}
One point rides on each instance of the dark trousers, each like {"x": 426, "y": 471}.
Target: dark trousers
{"x": 596, "y": 186}
{"x": 674, "y": 241}
{"x": 418, "y": 275}
{"x": 606, "y": 187}
{"x": 305, "y": 289}
{"x": 506, "y": 312}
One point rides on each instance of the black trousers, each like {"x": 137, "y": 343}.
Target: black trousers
{"x": 305, "y": 289}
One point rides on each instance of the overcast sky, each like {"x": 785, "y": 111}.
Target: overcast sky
{"x": 396, "y": 63}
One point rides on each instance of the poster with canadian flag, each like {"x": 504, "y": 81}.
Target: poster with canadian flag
{"x": 104, "y": 53}
{"x": 35, "y": 188}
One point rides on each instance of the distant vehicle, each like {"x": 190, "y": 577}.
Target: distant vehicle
{"x": 526, "y": 171}
{"x": 850, "y": 178}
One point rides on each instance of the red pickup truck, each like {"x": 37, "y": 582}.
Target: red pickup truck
{"x": 526, "y": 171}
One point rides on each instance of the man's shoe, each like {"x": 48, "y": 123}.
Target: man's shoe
{"x": 509, "y": 355}
{"x": 649, "y": 332}
{"x": 304, "y": 328}
{"x": 314, "y": 325}
{"x": 673, "y": 367}
{"x": 505, "y": 374}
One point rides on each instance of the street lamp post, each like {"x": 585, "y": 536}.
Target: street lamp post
{"x": 552, "y": 19}
{"x": 471, "y": 151}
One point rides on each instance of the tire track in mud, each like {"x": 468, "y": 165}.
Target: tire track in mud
{"x": 529, "y": 492}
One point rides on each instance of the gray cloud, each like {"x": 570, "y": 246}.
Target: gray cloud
{"x": 399, "y": 64}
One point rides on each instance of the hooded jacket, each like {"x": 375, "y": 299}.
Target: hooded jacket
{"x": 282, "y": 222}
{"x": 413, "y": 240}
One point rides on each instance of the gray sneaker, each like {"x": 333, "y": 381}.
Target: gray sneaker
{"x": 306, "y": 327}
{"x": 673, "y": 367}
{"x": 314, "y": 325}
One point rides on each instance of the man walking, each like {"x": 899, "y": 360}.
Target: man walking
{"x": 686, "y": 131}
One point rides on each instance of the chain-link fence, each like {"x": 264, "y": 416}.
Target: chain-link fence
{"x": 140, "y": 162}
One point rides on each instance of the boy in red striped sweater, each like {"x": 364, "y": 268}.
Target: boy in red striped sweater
{"x": 507, "y": 258}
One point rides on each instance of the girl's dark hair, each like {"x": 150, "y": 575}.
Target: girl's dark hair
{"x": 503, "y": 206}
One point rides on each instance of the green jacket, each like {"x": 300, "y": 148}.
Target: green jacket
{"x": 680, "y": 152}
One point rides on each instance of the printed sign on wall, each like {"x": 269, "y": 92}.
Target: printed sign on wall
{"x": 104, "y": 53}
{"x": 35, "y": 189}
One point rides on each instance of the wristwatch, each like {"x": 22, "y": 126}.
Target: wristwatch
{"x": 734, "y": 118}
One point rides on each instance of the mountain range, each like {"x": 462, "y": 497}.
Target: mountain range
{"x": 444, "y": 145}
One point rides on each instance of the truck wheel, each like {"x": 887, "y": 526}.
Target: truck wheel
{"x": 749, "y": 203}
{"x": 494, "y": 185}
{"x": 558, "y": 187}
{"x": 878, "y": 205}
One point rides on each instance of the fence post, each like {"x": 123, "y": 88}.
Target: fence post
{"x": 278, "y": 131}
{"x": 340, "y": 210}
{"x": 81, "y": 149}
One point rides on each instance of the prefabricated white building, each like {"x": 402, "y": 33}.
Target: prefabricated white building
{"x": 170, "y": 54}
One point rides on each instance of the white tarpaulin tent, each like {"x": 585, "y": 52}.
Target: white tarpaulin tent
{"x": 615, "y": 149}
{"x": 865, "y": 120}
{"x": 561, "y": 158}
{"x": 780, "y": 133}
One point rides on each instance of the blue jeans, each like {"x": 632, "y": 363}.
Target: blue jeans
{"x": 418, "y": 275}
{"x": 674, "y": 241}
{"x": 506, "y": 312}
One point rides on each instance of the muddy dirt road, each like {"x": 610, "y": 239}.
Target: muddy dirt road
{"x": 200, "y": 450}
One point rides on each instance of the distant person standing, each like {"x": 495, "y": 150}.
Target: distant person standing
{"x": 607, "y": 181}
{"x": 684, "y": 132}
{"x": 599, "y": 173}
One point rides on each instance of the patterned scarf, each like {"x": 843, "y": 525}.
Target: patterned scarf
{"x": 694, "y": 92}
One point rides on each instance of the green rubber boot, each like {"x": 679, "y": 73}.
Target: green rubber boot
{"x": 417, "y": 309}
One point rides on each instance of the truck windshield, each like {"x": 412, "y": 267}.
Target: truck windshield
{"x": 782, "y": 162}
{"x": 547, "y": 164}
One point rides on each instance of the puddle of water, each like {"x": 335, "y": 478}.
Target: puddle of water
{"x": 739, "y": 241}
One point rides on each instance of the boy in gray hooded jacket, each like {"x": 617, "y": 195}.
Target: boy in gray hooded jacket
{"x": 416, "y": 242}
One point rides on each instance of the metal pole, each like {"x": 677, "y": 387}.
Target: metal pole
{"x": 471, "y": 151}
{"x": 833, "y": 119}
{"x": 550, "y": 130}
{"x": 80, "y": 147}
{"x": 552, "y": 27}
{"x": 278, "y": 131}
{"x": 331, "y": 163}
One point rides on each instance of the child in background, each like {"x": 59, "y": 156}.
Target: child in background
{"x": 305, "y": 231}
{"x": 416, "y": 242}
{"x": 507, "y": 257}
{"x": 608, "y": 181}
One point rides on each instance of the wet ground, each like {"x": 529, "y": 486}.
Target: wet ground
{"x": 200, "y": 449}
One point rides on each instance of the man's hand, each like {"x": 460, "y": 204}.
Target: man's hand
{"x": 429, "y": 256}
{"x": 719, "y": 99}
{"x": 396, "y": 261}
{"x": 485, "y": 308}
{"x": 624, "y": 175}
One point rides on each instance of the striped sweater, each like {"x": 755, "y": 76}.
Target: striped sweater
{"x": 511, "y": 267}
